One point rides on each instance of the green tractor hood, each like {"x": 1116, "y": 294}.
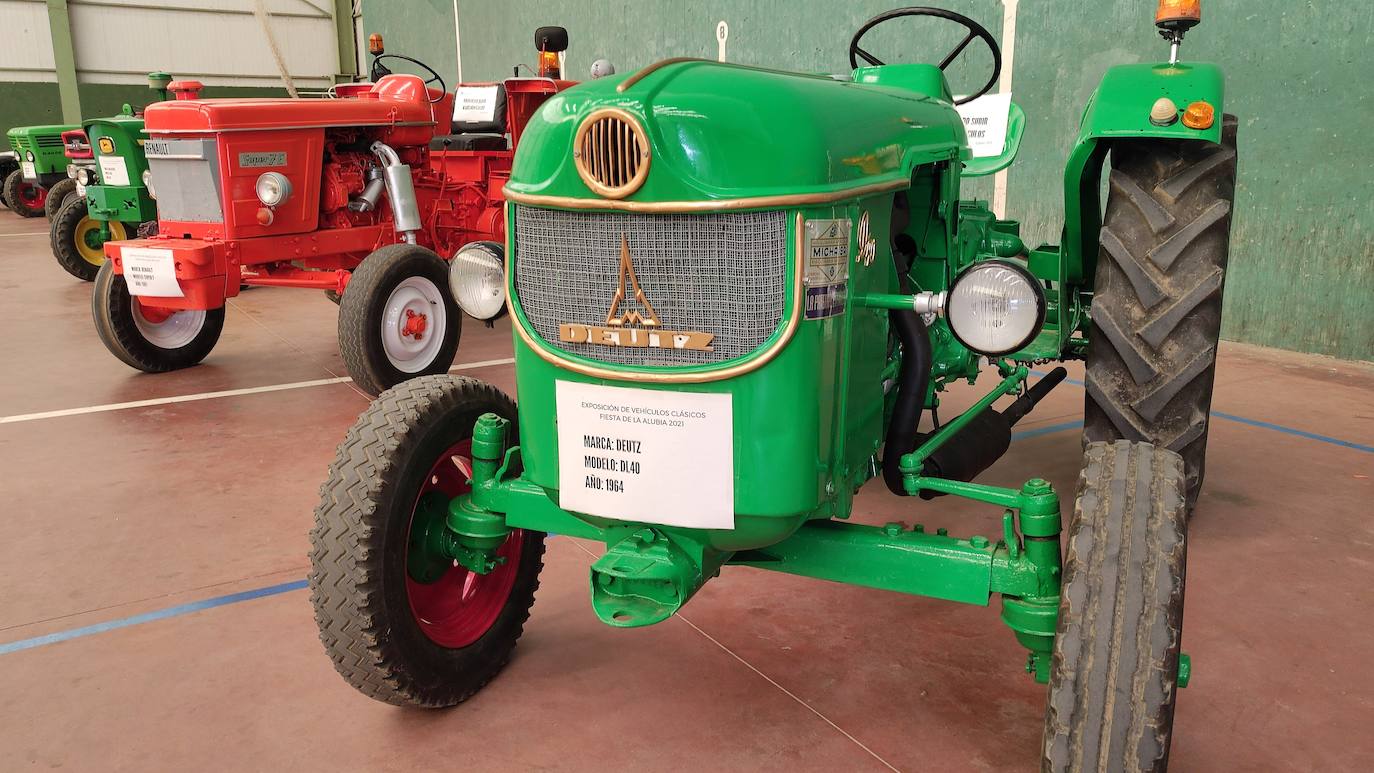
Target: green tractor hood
{"x": 721, "y": 132}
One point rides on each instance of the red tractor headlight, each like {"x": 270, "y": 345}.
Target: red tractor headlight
{"x": 273, "y": 188}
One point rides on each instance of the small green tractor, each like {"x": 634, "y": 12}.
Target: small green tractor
{"x": 737, "y": 294}
{"x": 37, "y": 182}
{"x": 112, "y": 200}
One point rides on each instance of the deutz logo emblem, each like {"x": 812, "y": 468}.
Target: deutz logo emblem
{"x": 633, "y": 327}
{"x": 106, "y": 145}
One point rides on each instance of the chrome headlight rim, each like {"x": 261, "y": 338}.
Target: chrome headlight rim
{"x": 147, "y": 179}
{"x": 479, "y": 262}
{"x": 272, "y": 188}
{"x": 952, "y": 298}
{"x": 83, "y": 176}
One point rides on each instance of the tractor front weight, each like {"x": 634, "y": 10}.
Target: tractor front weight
{"x": 649, "y": 571}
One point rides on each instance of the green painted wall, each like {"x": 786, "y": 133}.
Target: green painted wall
{"x": 30, "y": 104}
{"x": 1302, "y": 263}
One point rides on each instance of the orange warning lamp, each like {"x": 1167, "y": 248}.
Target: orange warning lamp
{"x": 549, "y": 42}
{"x": 1179, "y": 15}
{"x": 1199, "y": 115}
{"x": 374, "y": 44}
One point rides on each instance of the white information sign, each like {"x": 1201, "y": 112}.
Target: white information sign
{"x": 27, "y": 171}
{"x": 113, "y": 171}
{"x": 985, "y": 123}
{"x": 646, "y": 456}
{"x": 474, "y": 103}
{"x": 150, "y": 272}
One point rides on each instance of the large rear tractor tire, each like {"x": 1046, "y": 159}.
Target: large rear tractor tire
{"x": 397, "y": 318}
{"x": 78, "y": 241}
{"x": 148, "y": 338}
{"x": 1156, "y": 309}
{"x": 436, "y": 639}
{"x": 24, "y": 198}
{"x": 1116, "y": 651}
{"x": 58, "y": 195}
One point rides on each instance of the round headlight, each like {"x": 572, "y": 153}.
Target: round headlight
{"x": 148, "y": 183}
{"x": 995, "y": 308}
{"x": 477, "y": 277}
{"x": 28, "y": 155}
{"x": 83, "y": 176}
{"x": 71, "y": 171}
{"x": 273, "y": 188}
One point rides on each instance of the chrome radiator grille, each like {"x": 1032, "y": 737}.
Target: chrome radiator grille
{"x": 718, "y": 273}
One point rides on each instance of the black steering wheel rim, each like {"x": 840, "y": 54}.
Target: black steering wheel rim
{"x": 976, "y": 31}
{"x": 434, "y": 76}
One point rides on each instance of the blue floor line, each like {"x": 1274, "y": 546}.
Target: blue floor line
{"x": 1264, "y": 425}
{"x": 1038, "y": 431}
{"x": 148, "y": 617}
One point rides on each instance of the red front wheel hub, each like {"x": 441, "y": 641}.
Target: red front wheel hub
{"x": 458, "y": 608}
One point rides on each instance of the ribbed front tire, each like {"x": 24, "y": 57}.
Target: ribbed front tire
{"x": 1116, "y": 650}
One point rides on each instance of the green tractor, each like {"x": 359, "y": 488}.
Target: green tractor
{"x": 737, "y": 294}
{"x": 37, "y": 184}
{"x": 114, "y": 201}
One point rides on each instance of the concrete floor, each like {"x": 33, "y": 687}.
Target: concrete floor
{"x": 152, "y": 558}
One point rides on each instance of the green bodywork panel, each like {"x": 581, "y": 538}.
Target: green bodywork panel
{"x": 126, "y": 203}
{"x": 1120, "y": 110}
{"x": 767, "y": 133}
{"x": 45, "y": 143}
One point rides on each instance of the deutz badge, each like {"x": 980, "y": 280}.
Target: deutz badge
{"x": 826, "y": 269}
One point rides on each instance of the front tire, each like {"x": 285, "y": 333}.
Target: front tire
{"x": 147, "y": 338}
{"x": 397, "y": 639}
{"x": 58, "y": 195}
{"x": 1116, "y": 650}
{"x": 1156, "y": 309}
{"x": 397, "y": 318}
{"x": 24, "y": 198}
{"x": 77, "y": 242}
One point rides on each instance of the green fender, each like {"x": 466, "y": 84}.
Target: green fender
{"x": 1120, "y": 109}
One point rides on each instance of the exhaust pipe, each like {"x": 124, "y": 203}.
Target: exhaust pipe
{"x": 372, "y": 192}
{"x": 985, "y": 438}
{"x": 400, "y": 189}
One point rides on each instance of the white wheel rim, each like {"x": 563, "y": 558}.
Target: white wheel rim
{"x": 408, "y": 348}
{"x": 174, "y": 332}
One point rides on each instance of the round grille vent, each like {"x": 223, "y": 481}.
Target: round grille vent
{"x": 611, "y": 153}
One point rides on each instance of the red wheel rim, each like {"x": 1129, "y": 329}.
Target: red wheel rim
{"x": 32, "y": 196}
{"x": 461, "y": 606}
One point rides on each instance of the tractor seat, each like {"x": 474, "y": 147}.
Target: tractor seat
{"x": 470, "y": 142}
{"x": 479, "y": 119}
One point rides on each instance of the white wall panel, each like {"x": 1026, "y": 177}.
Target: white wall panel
{"x": 218, "y": 42}
{"x": 26, "y": 54}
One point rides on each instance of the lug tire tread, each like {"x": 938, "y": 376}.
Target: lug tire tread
{"x": 1156, "y": 311}
{"x": 1113, "y": 677}
{"x": 112, "y": 312}
{"x": 373, "y": 651}
{"x": 360, "y": 341}
{"x": 62, "y": 237}
{"x": 58, "y": 195}
{"x": 11, "y": 193}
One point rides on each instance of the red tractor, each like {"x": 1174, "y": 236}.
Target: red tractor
{"x": 383, "y": 196}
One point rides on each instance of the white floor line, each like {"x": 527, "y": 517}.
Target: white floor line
{"x": 214, "y": 395}
{"x": 29, "y": 233}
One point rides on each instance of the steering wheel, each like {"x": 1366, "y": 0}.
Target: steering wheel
{"x": 975, "y": 31}
{"x": 379, "y": 69}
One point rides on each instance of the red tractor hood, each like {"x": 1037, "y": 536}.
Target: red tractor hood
{"x": 394, "y": 100}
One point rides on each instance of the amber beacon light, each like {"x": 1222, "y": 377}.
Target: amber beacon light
{"x": 1178, "y": 14}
